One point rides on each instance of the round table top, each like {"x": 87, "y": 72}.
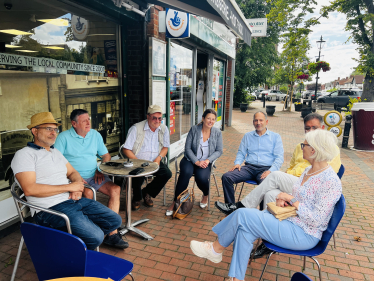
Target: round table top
{"x": 122, "y": 171}
{"x": 80, "y": 279}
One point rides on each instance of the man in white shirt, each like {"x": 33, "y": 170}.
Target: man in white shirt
{"x": 148, "y": 140}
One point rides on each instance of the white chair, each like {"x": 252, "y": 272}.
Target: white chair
{"x": 22, "y": 208}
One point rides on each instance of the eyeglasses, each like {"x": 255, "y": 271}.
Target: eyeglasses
{"x": 304, "y": 144}
{"x": 49, "y": 129}
{"x": 156, "y": 118}
{"x": 307, "y": 129}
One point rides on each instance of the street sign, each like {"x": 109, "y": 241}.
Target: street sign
{"x": 258, "y": 27}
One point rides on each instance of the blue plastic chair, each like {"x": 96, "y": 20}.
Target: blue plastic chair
{"x": 298, "y": 276}
{"x": 322, "y": 244}
{"x": 57, "y": 254}
{"x": 340, "y": 175}
{"x": 249, "y": 182}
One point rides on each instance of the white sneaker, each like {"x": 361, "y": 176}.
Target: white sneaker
{"x": 204, "y": 250}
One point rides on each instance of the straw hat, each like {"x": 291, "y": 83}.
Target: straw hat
{"x": 154, "y": 108}
{"x": 42, "y": 118}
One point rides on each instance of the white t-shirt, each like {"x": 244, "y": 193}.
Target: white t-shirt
{"x": 49, "y": 167}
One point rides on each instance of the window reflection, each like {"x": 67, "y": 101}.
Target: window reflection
{"x": 55, "y": 57}
{"x": 180, "y": 91}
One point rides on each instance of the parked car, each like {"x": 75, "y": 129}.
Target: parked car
{"x": 313, "y": 96}
{"x": 341, "y": 97}
{"x": 306, "y": 94}
{"x": 257, "y": 93}
{"x": 264, "y": 92}
{"x": 276, "y": 95}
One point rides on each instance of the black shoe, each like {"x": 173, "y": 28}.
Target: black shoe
{"x": 115, "y": 240}
{"x": 227, "y": 208}
{"x": 261, "y": 251}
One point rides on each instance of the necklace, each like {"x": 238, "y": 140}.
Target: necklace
{"x": 317, "y": 171}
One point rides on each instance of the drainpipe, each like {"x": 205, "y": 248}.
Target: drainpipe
{"x": 145, "y": 68}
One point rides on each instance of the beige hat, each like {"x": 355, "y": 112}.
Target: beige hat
{"x": 154, "y": 108}
{"x": 42, "y": 118}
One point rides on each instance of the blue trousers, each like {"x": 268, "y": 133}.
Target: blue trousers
{"x": 245, "y": 225}
{"x": 187, "y": 169}
{"x": 89, "y": 220}
{"x": 247, "y": 172}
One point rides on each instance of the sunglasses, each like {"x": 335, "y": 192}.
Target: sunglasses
{"x": 49, "y": 129}
{"x": 304, "y": 144}
{"x": 156, "y": 118}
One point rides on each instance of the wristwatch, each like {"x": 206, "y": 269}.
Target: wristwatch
{"x": 292, "y": 201}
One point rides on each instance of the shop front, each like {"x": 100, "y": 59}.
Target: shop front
{"x": 197, "y": 75}
{"x": 57, "y": 57}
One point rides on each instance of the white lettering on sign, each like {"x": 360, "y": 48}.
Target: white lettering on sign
{"x": 228, "y": 14}
{"x": 51, "y": 63}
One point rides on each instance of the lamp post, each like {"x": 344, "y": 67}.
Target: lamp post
{"x": 302, "y": 69}
{"x": 320, "y": 45}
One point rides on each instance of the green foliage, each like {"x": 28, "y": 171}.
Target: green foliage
{"x": 283, "y": 88}
{"x": 254, "y": 64}
{"x": 298, "y": 95}
{"x": 360, "y": 23}
{"x": 332, "y": 90}
{"x": 315, "y": 67}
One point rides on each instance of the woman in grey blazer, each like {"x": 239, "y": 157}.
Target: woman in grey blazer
{"x": 203, "y": 146}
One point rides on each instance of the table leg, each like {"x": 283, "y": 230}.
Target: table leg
{"x": 131, "y": 226}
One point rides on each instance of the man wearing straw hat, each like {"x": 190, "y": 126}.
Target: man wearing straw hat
{"x": 49, "y": 181}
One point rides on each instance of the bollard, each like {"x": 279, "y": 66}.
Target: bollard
{"x": 347, "y": 129}
{"x": 263, "y": 99}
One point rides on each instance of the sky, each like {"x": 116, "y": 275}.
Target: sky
{"x": 337, "y": 51}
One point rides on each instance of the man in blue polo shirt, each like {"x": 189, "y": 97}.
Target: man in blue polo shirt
{"x": 80, "y": 145}
{"x": 262, "y": 151}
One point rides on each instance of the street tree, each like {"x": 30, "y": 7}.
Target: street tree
{"x": 254, "y": 64}
{"x": 360, "y": 22}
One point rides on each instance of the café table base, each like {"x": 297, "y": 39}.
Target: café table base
{"x": 132, "y": 228}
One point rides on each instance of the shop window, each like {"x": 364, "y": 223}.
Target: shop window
{"x": 180, "y": 92}
{"x": 55, "y": 57}
{"x": 218, "y": 89}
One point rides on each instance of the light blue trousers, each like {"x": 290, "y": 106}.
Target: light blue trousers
{"x": 245, "y": 225}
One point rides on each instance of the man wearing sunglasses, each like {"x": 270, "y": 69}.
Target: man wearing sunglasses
{"x": 277, "y": 181}
{"x": 49, "y": 181}
{"x": 148, "y": 140}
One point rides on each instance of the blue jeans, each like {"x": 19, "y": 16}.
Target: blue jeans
{"x": 245, "y": 225}
{"x": 89, "y": 220}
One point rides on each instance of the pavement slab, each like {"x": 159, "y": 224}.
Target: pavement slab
{"x": 168, "y": 256}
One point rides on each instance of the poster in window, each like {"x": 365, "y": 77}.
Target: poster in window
{"x": 159, "y": 94}
{"x": 158, "y": 58}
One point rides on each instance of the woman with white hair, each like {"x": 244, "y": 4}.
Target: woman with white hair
{"x": 314, "y": 196}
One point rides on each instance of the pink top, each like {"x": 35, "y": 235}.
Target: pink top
{"x": 317, "y": 197}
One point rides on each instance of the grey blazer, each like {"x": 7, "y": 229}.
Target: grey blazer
{"x": 193, "y": 143}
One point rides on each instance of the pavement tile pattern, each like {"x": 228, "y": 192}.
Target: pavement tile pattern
{"x": 168, "y": 256}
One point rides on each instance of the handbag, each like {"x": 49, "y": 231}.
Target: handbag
{"x": 184, "y": 204}
{"x": 281, "y": 213}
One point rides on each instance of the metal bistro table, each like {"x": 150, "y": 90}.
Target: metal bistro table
{"x": 122, "y": 171}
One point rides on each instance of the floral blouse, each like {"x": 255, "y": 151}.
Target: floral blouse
{"x": 317, "y": 198}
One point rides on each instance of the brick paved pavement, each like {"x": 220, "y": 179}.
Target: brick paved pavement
{"x": 168, "y": 256}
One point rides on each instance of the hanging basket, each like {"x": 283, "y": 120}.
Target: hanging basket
{"x": 315, "y": 67}
{"x": 303, "y": 76}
